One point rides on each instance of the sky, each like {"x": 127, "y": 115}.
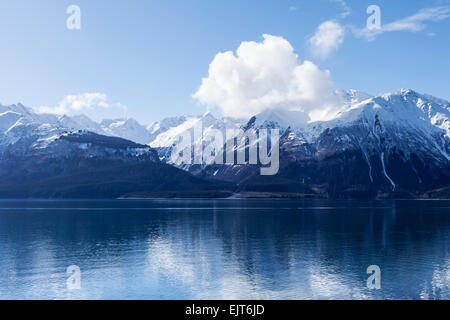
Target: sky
{"x": 160, "y": 58}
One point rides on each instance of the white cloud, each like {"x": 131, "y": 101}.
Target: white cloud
{"x": 327, "y": 38}
{"x": 292, "y": 8}
{"x": 265, "y": 75}
{"x": 83, "y": 103}
{"x": 414, "y": 23}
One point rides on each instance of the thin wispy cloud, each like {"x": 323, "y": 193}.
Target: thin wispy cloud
{"x": 330, "y": 35}
{"x": 346, "y": 11}
{"x": 414, "y": 23}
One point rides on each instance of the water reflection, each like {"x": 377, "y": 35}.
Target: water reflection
{"x": 224, "y": 249}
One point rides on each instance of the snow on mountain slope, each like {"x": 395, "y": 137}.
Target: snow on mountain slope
{"x": 7, "y": 119}
{"x": 24, "y": 133}
{"x": 126, "y": 128}
{"x": 396, "y": 142}
{"x": 46, "y": 156}
{"x": 165, "y": 140}
{"x": 389, "y": 143}
{"x": 85, "y": 123}
{"x": 283, "y": 119}
{"x": 158, "y": 127}
{"x": 79, "y": 122}
{"x": 407, "y": 110}
{"x": 352, "y": 96}
{"x": 406, "y": 120}
{"x": 28, "y": 115}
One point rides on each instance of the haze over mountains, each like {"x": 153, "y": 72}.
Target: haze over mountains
{"x": 392, "y": 145}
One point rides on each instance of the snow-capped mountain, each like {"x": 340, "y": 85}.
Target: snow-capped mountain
{"x": 19, "y": 115}
{"x": 46, "y": 156}
{"x": 391, "y": 145}
{"x": 158, "y": 127}
{"x": 165, "y": 140}
{"x": 170, "y": 130}
{"x": 25, "y": 134}
{"x": 128, "y": 129}
{"x": 394, "y": 143}
{"x": 79, "y": 122}
{"x": 351, "y": 97}
{"x": 18, "y": 120}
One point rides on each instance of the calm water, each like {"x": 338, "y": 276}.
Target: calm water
{"x": 224, "y": 249}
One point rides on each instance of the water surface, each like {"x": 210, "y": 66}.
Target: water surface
{"x": 224, "y": 249}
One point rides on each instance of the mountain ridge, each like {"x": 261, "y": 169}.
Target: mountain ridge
{"x": 387, "y": 146}
{"x": 393, "y": 145}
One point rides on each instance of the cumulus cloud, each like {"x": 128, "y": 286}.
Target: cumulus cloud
{"x": 263, "y": 76}
{"x": 327, "y": 38}
{"x": 414, "y": 23}
{"x": 83, "y": 103}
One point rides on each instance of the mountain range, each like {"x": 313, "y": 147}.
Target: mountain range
{"x": 394, "y": 145}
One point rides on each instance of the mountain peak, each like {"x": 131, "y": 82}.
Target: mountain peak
{"x": 281, "y": 118}
{"x": 353, "y": 96}
{"x": 407, "y": 92}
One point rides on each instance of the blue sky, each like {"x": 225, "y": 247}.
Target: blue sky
{"x": 151, "y": 56}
